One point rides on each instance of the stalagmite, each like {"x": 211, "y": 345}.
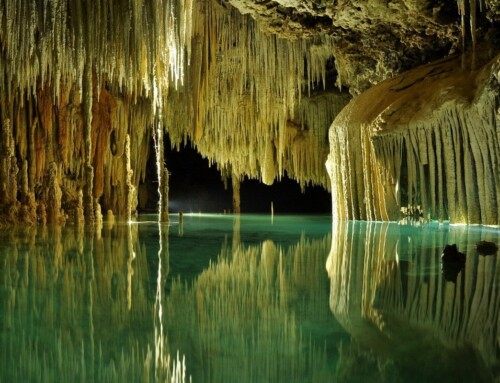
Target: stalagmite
{"x": 130, "y": 187}
{"x": 164, "y": 191}
{"x": 88, "y": 169}
{"x": 235, "y": 182}
{"x": 8, "y": 171}
{"x": 27, "y": 199}
{"x": 54, "y": 194}
{"x": 162, "y": 175}
{"x": 439, "y": 162}
{"x": 79, "y": 217}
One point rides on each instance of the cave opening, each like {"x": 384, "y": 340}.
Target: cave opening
{"x": 195, "y": 186}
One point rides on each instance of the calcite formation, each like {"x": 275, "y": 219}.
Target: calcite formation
{"x": 253, "y": 85}
{"x": 425, "y": 142}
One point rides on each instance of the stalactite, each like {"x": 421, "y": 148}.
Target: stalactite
{"x": 471, "y": 7}
{"x": 248, "y": 87}
{"x": 441, "y": 163}
{"x": 56, "y": 57}
{"x": 81, "y": 75}
{"x": 268, "y": 166}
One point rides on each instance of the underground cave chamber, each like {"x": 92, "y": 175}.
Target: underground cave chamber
{"x": 390, "y": 109}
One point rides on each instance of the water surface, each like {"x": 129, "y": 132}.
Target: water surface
{"x": 252, "y": 299}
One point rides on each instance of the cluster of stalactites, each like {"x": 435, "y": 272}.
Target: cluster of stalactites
{"x": 472, "y": 11}
{"x": 250, "y": 98}
{"x": 443, "y": 163}
{"x": 139, "y": 45}
{"x": 62, "y": 125}
{"x": 44, "y": 152}
{"x": 451, "y": 166}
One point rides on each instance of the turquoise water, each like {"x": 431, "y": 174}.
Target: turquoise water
{"x": 254, "y": 299}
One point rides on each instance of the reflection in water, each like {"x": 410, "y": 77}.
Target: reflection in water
{"x": 245, "y": 300}
{"x": 163, "y": 372}
{"x": 407, "y": 321}
{"x": 240, "y": 318}
{"x": 74, "y": 305}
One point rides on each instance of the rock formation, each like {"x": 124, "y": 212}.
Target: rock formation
{"x": 253, "y": 85}
{"x": 425, "y": 141}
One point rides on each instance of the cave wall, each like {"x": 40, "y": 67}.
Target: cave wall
{"x": 80, "y": 79}
{"x": 373, "y": 39}
{"x": 423, "y": 144}
{"x": 43, "y": 154}
{"x": 77, "y": 79}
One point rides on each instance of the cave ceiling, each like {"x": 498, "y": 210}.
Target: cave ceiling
{"x": 375, "y": 39}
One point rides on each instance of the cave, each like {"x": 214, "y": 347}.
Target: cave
{"x": 159, "y": 157}
{"x": 261, "y": 90}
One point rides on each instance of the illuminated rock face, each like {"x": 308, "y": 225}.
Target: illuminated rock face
{"x": 77, "y": 79}
{"x": 44, "y": 153}
{"x": 425, "y": 142}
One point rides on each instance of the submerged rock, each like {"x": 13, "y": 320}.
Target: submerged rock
{"x": 452, "y": 262}
{"x": 451, "y": 254}
{"x": 486, "y": 248}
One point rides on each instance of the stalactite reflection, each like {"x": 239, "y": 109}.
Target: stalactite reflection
{"x": 389, "y": 292}
{"x": 244, "y": 316}
{"x": 107, "y": 305}
{"x": 75, "y": 305}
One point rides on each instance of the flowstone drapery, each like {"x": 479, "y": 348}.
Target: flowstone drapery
{"x": 424, "y": 143}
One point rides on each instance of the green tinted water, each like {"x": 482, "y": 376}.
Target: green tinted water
{"x": 255, "y": 299}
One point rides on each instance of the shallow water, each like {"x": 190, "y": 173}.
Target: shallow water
{"x": 254, "y": 299}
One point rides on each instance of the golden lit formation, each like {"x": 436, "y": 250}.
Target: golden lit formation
{"x": 393, "y": 107}
{"x": 425, "y": 142}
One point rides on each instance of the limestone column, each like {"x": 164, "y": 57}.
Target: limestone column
{"x": 235, "y": 180}
{"x": 88, "y": 200}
